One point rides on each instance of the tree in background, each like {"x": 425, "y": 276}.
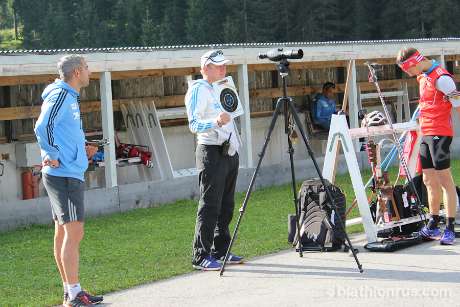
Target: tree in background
{"x": 47, "y": 24}
{"x": 420, "y": 19}
{"x": 172, "y": 29}
{"x": 447, "y": 22}
{"x": 32, "y": 21}
{"x": 204, "y": 22}
{"x": 86, "y": 20}
{"x": 150, "y": 30}
{"x": 6, "y": 14}
{"x": 236, "y": 22}
{"x": 361, "y": 19}
{"x": 129, "y": 26}
{"x": 57, "y": 30}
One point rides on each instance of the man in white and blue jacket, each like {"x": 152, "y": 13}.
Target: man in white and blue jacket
{"x": 65, "y": 159}
{"x": 217, "y": 163}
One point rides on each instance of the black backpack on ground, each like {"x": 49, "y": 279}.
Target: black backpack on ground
{"x": 319, "y": 222}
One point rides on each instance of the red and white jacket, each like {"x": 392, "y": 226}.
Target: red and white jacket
{"x": 435, "y": 107}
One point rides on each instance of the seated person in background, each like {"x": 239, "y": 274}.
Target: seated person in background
{"x": 324, "y": 106}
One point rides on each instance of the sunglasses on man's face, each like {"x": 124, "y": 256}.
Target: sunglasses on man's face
{"x": 213, "y": 55}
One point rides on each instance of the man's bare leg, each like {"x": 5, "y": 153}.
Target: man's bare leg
{"x": 448, "y": 185}
{"x": 59, "y": 234}
{"x": 450, "y": 205}
{"x": 434, "y": 194}
{"x": 70, "y": 255}
{"x": 434, "y": 190}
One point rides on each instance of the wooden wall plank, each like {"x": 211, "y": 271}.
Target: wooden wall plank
{"x": 25, "y": 112}
{"x": 262, "y": 95}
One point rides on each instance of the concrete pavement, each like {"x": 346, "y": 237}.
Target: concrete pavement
{"x": 424, "y": 275}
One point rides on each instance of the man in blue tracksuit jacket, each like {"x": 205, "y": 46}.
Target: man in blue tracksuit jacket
{"x": 59, "y": 132}
{"x": 65, "y": 159}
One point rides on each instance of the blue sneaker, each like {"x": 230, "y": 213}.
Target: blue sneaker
{"x": 448, "y": 237}
{"x": 430, "y": 234}
{"x": 232, "y": 259}
{"x": 208, "y": 263}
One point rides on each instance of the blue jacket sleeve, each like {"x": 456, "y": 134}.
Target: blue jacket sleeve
{"x": 52, "y": 113}
{"x": 325, "y": 108}
{"x": 318, "y": 109}
{"x": 195, "y": 112}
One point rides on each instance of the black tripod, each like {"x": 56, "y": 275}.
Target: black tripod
{"x": 285, "y": 105}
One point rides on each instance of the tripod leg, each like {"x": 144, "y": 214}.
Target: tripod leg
{"x": 328, "y": 192}
{"x": 296, "y": 201}
{"x": 253, "y": 178}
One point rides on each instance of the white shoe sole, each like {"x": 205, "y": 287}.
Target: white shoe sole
{"x": 197, "y": 267}
{"x": 231, "y": 262}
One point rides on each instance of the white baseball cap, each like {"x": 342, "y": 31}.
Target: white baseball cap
{"x": 215, "y": 57}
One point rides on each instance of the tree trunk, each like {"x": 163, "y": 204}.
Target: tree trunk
{"x": 15, "y": 24}
{"x": 245, "y": 12}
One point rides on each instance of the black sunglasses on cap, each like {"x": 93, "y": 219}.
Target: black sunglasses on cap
{"x": 213, "y": 55}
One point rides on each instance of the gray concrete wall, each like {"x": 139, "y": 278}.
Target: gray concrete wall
{"x": 17, "y": 213}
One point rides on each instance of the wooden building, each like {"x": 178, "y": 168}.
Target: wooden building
{"x": 123, "y": 76}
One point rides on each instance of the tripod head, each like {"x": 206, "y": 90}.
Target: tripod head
{"x": 283, "y": 68}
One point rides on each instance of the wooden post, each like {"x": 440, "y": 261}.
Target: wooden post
{"x": 243, "y": 93}
{"x": 345, "y": 92}
{"x": 344, "y": 109}
{"x": 406, "y": 102}
{"x": 353, "y": 101}
{"x": 108, "y": 130}
{"x": 352, "y": 97}
{"x": 442, "y": 59}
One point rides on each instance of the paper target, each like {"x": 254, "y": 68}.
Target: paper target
{"x": 228, "y": 97}
{"x": 229, "y": 100}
